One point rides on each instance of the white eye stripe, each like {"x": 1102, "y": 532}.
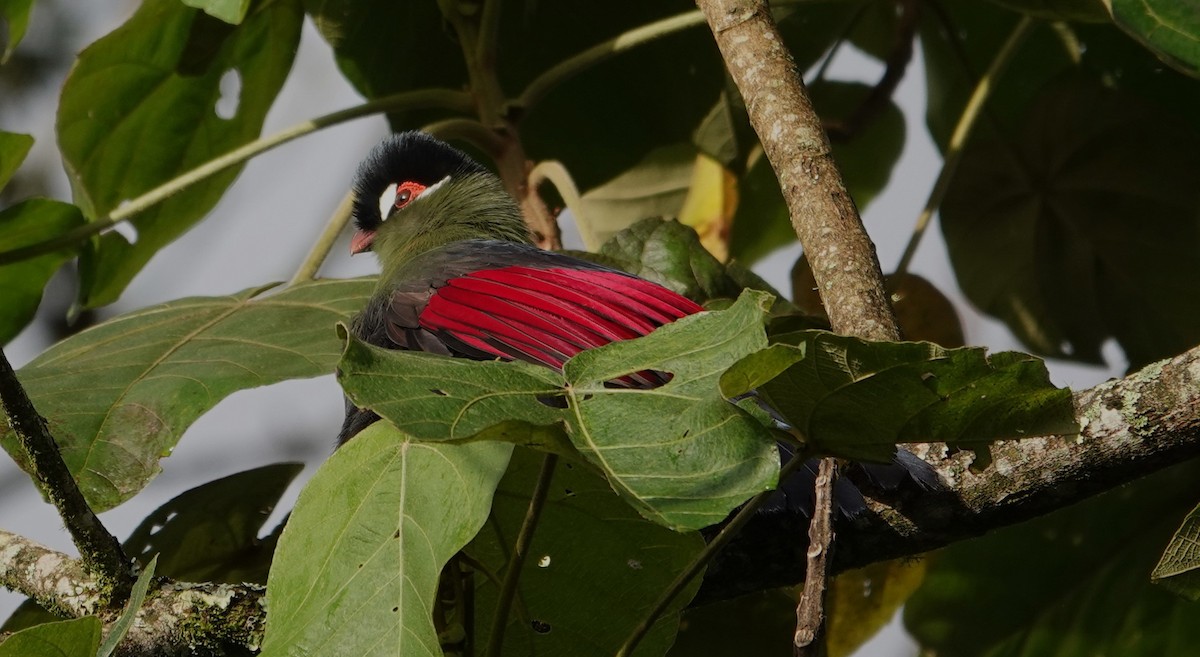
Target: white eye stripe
{"x": 387, "y": 200}
{"x": 435, "y": 185}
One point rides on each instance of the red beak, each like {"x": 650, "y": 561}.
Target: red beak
{"x": 361, "y": 241}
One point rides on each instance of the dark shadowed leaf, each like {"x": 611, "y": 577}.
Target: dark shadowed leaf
{"x": 1059, "y": 10}
{"x": 118, "y": 396}
{"x": 857, "y": 399}
{"x": 26, "y": 223}
{"x": 356, "y": 570}
{"x": 1074, "y": 583}
{"x": 680, "y": 453}
{"x": 167, "y": 91}
{"x": 210, "y": 533}
{"x": 590, "y": 551}
{"x": 16, "y": 14}
{"x": 230, "y": 11}
{"x": 759, "y": 624}
{"x": 79, "y": 637}
{"x": 1056, "y": 234}
{"x": 1169, "y": 28}
{"x": 1179, "y": 567}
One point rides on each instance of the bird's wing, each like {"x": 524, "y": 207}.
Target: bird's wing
{"x": 515, "y": 302}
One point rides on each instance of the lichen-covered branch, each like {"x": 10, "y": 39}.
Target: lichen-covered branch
{"x": 176, "y": 618}
{"x": 1130, "y": 428}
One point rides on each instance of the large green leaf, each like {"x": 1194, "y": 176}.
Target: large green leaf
{"x": 857, "y": 399}
{"x": 119, "y": 395}
{"x": 79, "y": 637}
{"x": 356, "y": 570}
{"x": 144, "y": 104}
{"x": 210, "y": 533}
{"x": 681, "y": 454}
{"x": 1082, "y": 226}
{"x": 590, "y": 552}
{"x": 1071, "y": 584}
{"x": 654, "y": 187}
{"x": 1169, "y": 28}
{"x": 16, "y": 14}
{"x": 26, "y": 223}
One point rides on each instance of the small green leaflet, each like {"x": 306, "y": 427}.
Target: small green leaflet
{"x": 125, "y": 621}
{"x": 1179, "y": 567}
{"x": 79, "y": 637}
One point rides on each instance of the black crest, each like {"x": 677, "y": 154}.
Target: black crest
{"x": 400, "y": 158}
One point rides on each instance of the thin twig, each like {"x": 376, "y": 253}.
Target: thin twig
{"x": 512, "y": 575}
{"x": 727, "y": 533}
{"x": 443, "y": 98}
{"x": 325, "y": 241}
{"x": 895, "y": 67}
{"x": 810, "y": 612}
{"x": 100, "y": 551}
{"x": 958, "y": 140}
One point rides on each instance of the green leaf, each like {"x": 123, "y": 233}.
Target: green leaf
{"x": 1070, "y": 584}
{"x": 30, "y": 222}
{"x": 590, "y": 551}
{"x": 118, "y": 396}
{"x": 210, "y": 533}
{"x": 79, "y": 637}
{"x": 356, "y": 570}
{"x": 654, "y": 187}
{"x": 1179, "y": 567}
{"x": 671, "y": 255}
{"x": 121, "y": 627}
{"x": 680, "y": 453}
{"x": 1056, "y": 233}
{"x": 144, "y": 105}
{"x": 1170, "y": 29}
{"x": 856, "y": 399}
{"x": 230, "y": 11}
{"x": 13, "y": 149}
{"x": 16, "y": 14}
{"x": 960, "y": 50}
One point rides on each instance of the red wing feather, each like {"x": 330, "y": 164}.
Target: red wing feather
{"x": 545, "y": 316}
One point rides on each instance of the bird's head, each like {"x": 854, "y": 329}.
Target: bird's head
{"x": 414, "y": 193}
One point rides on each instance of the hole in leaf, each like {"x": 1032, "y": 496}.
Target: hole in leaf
{"x": 642, "y": 380}
{"x": 439, "y": 393}
{"x": 553, "y": 402}
{"x": 568, "y": 492}
{"x": 541, "y": 627}
{"x": 395, "y": 609}
{"x": 230, "y": 87}
{"x": 634, "y": 564}
{"x": 544, "y": 562}
{"x": 397, "y": 534}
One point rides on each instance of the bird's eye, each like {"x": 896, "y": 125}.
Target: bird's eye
{"x": 406, "y": 192}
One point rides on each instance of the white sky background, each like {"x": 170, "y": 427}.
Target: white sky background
{"x": 263, "y": 227}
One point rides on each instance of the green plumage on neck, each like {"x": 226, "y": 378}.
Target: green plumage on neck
{"x": 474, "y": 206}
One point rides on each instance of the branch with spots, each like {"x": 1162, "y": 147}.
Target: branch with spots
{"x": 176, "y": 618}
{"x": 1129, "y": 428}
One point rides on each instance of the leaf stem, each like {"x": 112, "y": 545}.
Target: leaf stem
{"x": 443, "y": 98}
{"x": 325, "y": 241}
{"x": 512, "y": 575}
{"x": 958, "y": 140}
{"x": 99, "y": 550}
{"x": 706, "y": 555}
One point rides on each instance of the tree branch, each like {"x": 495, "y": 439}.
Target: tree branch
{"x": 1130, "y": 428}
{"x": 101, "y": 552}
{"x": 176, "y": 618}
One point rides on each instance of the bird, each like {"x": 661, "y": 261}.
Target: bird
{"x": 461, "y": 277}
